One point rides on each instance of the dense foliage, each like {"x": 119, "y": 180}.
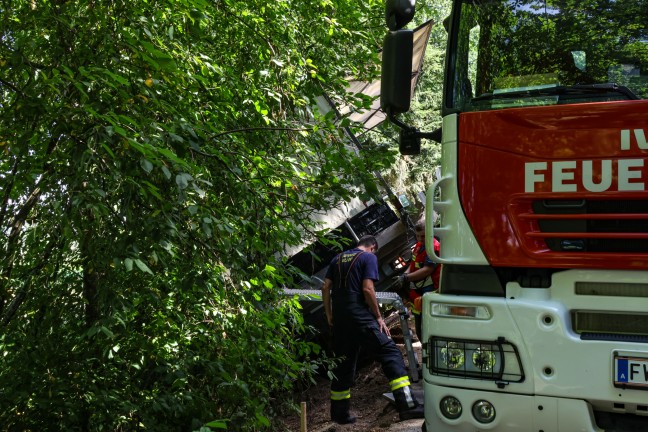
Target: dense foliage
{"x": 156, "y": 157}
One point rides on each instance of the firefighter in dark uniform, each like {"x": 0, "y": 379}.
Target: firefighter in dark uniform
{"x": 352, "y": 311}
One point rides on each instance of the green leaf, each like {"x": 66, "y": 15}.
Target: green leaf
{"x": 183, "y": 179}
{"x": 218, "y": 424}
{"x": 121, "y": 80}
{"x": 166, "y": 172}
{"x": 106, "y": 332}
{"x": 146, "y": 165}
{"x": 143, "y": 267}
{"x": 263, "y": 420}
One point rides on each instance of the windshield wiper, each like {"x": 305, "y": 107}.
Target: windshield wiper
{"x": 608, "y": 87}
{"x": 577, "y": 89}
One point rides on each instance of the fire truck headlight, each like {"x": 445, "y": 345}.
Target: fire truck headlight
{"x": 453, "y": 356}
{"x": 496, "y": 360}
{"x": 484, "y": 358}
{"x": 450, "y": 407}
{"x": 483, "y": 411}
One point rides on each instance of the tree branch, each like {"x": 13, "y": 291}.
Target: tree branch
{"x": 255, "y": 129}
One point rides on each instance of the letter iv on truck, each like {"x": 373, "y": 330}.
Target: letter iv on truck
{"x": 541, "y": 323}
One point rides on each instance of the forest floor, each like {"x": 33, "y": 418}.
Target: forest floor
{"x": 373, "y": 410}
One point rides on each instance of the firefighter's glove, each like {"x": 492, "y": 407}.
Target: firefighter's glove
{"x": 400, "y": 280}
{"x": 400, "y": 285}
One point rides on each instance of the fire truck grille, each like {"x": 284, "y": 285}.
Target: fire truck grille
{"x": 621, "y": 327}
{"x": 612, "y": 226}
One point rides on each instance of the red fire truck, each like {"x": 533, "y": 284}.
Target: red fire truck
{"x": 541, "y": 323}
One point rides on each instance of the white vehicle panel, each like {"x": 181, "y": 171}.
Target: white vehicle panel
{"x": 454, "y": 232}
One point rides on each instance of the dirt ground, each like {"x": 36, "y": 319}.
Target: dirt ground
{"x": 373, "y": 411}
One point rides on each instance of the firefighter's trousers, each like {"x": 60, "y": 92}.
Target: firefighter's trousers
{"x": 348, "y": 338}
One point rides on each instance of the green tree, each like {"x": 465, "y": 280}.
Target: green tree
{"x": 157, "y": 157}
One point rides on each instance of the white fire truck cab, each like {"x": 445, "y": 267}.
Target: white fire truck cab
{"x": 541, "y": 323}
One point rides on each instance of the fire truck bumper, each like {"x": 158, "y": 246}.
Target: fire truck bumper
{"x": 503, "y": 412}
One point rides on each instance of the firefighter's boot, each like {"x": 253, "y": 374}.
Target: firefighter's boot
{"x": 407, "y": 405}
{"x": 340, "y": 411}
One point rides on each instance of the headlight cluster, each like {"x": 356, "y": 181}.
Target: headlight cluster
{"x": 482, "y": 410}
{"x": 487, "y": 360}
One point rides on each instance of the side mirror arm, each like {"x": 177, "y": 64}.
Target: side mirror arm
{"x": 409, "y": 142}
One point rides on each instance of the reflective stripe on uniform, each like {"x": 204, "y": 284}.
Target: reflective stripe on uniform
{"x": 400, "y": 383}
{"x": 409, "y": 398}
{"x": 340, "y": 395}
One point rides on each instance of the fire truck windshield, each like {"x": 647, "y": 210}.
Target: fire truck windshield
{"x": 535, "y": 52}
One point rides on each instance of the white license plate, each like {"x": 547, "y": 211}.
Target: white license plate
{"x": 630, "y": 371}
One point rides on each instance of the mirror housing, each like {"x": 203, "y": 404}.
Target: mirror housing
{"x": 398, "y": 13}
{"x": 396, "y": 81}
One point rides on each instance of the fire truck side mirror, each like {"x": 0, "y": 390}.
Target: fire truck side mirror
{"x": 396, "y": 81}
{"x": 398, "y": 13}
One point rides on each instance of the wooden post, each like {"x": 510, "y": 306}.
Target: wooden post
{"x": 303, "y": 418}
